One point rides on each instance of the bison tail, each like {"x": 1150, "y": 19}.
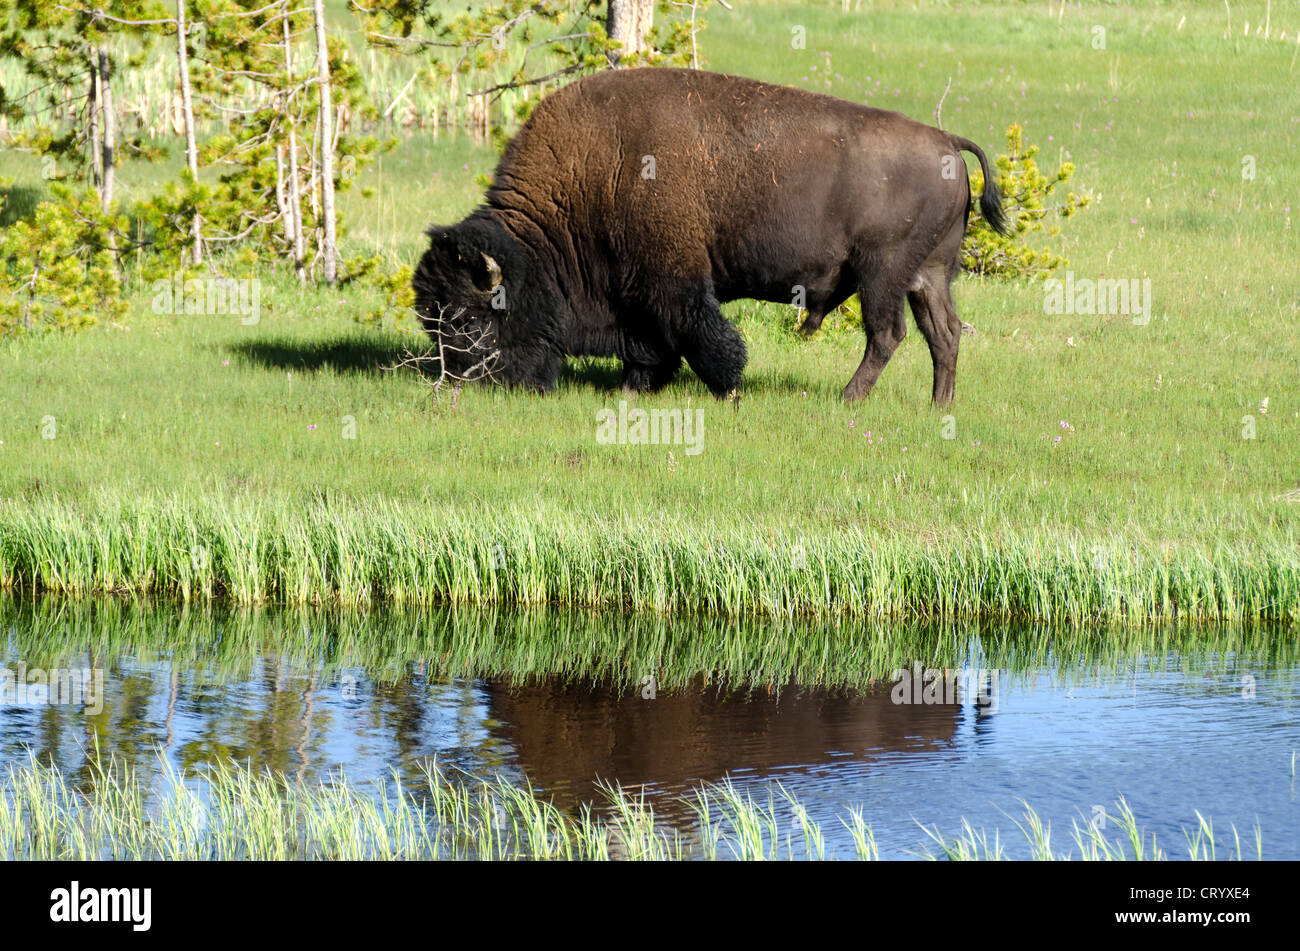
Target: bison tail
{"x": 990, "y": 199}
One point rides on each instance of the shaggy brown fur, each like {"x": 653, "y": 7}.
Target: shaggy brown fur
{"x": 634, "y": 201}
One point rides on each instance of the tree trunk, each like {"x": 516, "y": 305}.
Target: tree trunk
{"x": 92, "y": 117}
{"x": 326, "y": 145}
{"x": 629, "y": 23}
{"x": 109, "y": 137}
{"x": 293, "y": 224}
{"x": 282, "y": 200}
{"x": 187, "y": 115}
{"x": 31, "y": 292}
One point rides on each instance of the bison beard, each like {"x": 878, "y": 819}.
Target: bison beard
{"x": 633, "y": 202}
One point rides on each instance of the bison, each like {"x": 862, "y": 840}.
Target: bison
{"x": 634, "y": 202}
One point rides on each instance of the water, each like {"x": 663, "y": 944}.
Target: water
{"x": 1197, "y": 723}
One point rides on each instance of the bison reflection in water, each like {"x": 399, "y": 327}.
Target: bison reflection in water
{"x": 567, "y": 737}
{"x": 634, "y": 201}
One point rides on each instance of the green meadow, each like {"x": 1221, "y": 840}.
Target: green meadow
{"x": 1098, "y": 466}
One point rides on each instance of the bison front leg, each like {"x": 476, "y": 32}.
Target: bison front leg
{"x": 713, "y": 348}
{"x": 531, "y": 369}
{"x": 649, "y": 377}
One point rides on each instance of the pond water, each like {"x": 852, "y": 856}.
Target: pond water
{"x": 1204, "y": 722}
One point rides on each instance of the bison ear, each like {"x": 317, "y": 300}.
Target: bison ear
{"x": 494, "y": 269}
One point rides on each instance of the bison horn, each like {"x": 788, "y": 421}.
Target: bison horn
{"x": 494, "y": 269}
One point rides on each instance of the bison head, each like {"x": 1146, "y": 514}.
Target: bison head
{"x": 460, "y": 299}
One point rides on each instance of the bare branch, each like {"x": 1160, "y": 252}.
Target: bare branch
{"x": 520, "y": 83}
{"x": 432, "y": 363}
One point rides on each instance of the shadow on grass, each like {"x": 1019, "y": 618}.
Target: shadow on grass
{"x": 591, "y": 373}
{"x": 606, "y": 376}
{"x": 352, "y": 354}
{"x": 363, "y": 354}
{"x": 18, "y": 202}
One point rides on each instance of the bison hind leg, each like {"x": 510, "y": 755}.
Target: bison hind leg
{"x": 937, "y": 318}
{"x": 884, "y": 326}
{"x": 812, "y": 322}
{"x": 822, "y": 304}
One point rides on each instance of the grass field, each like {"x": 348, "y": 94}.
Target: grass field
{"x": 204, "y": 456}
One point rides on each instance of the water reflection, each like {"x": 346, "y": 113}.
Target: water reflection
{"x": 567, "y": 736}
{"x": 1176, "y": 721}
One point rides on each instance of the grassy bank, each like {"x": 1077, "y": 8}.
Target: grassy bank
{"x": 359, "y": 552}
{"x": 233, "y": 813}
{"x": 1098, "y": 468}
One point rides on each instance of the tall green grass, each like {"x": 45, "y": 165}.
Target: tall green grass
{"x": 234, "y": 813}
{"x": 362, "y": 552}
